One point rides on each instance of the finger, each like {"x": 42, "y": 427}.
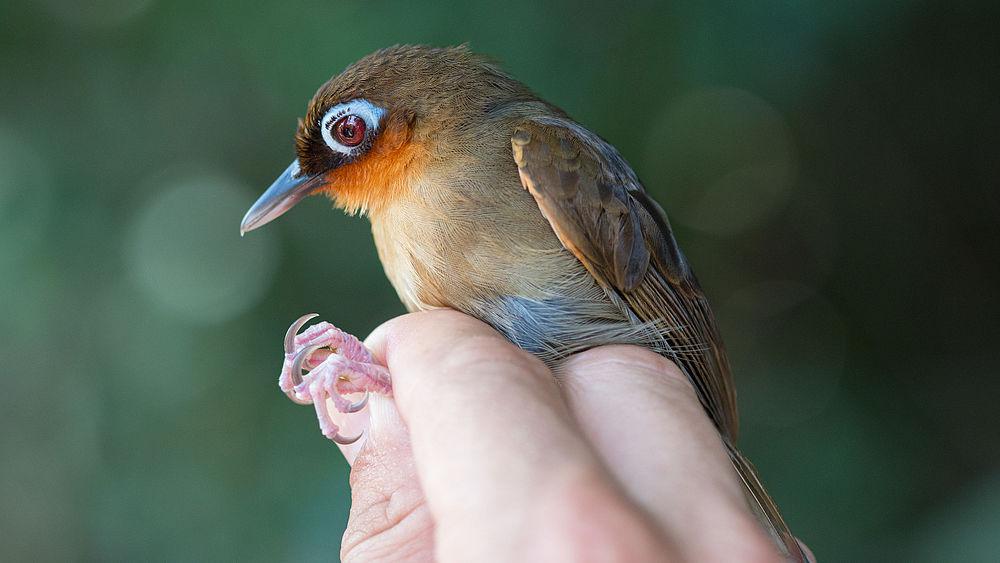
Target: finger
{"x": 643, "y": 417}
{"x": 498, "y": 454}
{"x": 389, "y": 520}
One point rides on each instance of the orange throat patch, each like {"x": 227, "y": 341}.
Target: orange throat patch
{"x": 380, "y": 176}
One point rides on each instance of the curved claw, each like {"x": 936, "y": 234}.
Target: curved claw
{"x": 355, "y": 407}
{"x": 296, "y": 369}
{"x": 294, "y": 330}
{"x": 344, "y": 440}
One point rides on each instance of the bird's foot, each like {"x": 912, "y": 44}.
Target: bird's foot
{"x": 338, "y": 364}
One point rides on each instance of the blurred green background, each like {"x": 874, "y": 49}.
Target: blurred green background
{"x": 830, "y": 167}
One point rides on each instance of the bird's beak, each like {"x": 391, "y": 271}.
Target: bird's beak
{"x": 283, "y": 194}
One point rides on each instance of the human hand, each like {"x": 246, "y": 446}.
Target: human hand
{"x": 483, "y": 455}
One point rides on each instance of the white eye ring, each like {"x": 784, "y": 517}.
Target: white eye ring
{"x": 360, "y": 107}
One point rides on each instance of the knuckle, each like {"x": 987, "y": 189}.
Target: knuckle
{"x": 451, "y": 318}
{"x": 481, "y": 353}
{"x": 389, "y": 520}
{"x": 640, "y": 365}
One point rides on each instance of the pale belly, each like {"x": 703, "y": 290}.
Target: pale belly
{"x": 527, "y": 287}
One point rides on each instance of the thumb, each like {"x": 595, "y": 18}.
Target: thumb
{"x": 380, "y": 427}
{"x": 389, "y": 519}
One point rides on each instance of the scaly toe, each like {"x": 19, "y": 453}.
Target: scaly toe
{"x": 324, "y": 363}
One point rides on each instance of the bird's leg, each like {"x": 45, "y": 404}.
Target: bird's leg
{"x": 339, "y": 364}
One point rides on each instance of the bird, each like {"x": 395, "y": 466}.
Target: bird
{"x": 487, "y": 199}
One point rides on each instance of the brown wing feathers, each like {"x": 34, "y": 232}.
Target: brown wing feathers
{"x": 590, "y": 219}
{"x": 624, "y": 241}
{"x": 602, "y": 215}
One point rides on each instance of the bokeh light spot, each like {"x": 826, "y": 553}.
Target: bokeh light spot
{"x": 185, "y": 253}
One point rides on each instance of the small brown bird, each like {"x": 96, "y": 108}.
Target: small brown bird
{"x": 487, "y": 199}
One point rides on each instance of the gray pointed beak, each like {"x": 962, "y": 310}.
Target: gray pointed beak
{"x": 283, "y": 194}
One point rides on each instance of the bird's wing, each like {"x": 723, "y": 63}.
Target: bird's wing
{"x": 602, "y": 214}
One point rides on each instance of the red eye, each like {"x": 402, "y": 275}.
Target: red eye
{"x": 349, "y": 130}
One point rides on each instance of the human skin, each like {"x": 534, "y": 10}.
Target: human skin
{"x": 483, "y": 454}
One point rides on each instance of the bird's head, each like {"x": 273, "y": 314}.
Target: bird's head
{"x": 370, "y": 129}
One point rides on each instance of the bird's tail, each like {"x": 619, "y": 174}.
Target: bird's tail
{"x": 765, "y": 508}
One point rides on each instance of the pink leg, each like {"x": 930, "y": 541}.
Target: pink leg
{"x": 340, "y": 365}
{"x": 342, "y": 376}
{"x": 327, "y": 339}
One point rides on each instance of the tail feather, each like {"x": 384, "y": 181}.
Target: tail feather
{"x": 765, "y": 508}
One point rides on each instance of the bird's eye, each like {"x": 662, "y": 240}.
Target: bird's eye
{"x": 350, "y": 130}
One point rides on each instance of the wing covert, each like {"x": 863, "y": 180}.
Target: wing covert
{"x": 601, "y": 214}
